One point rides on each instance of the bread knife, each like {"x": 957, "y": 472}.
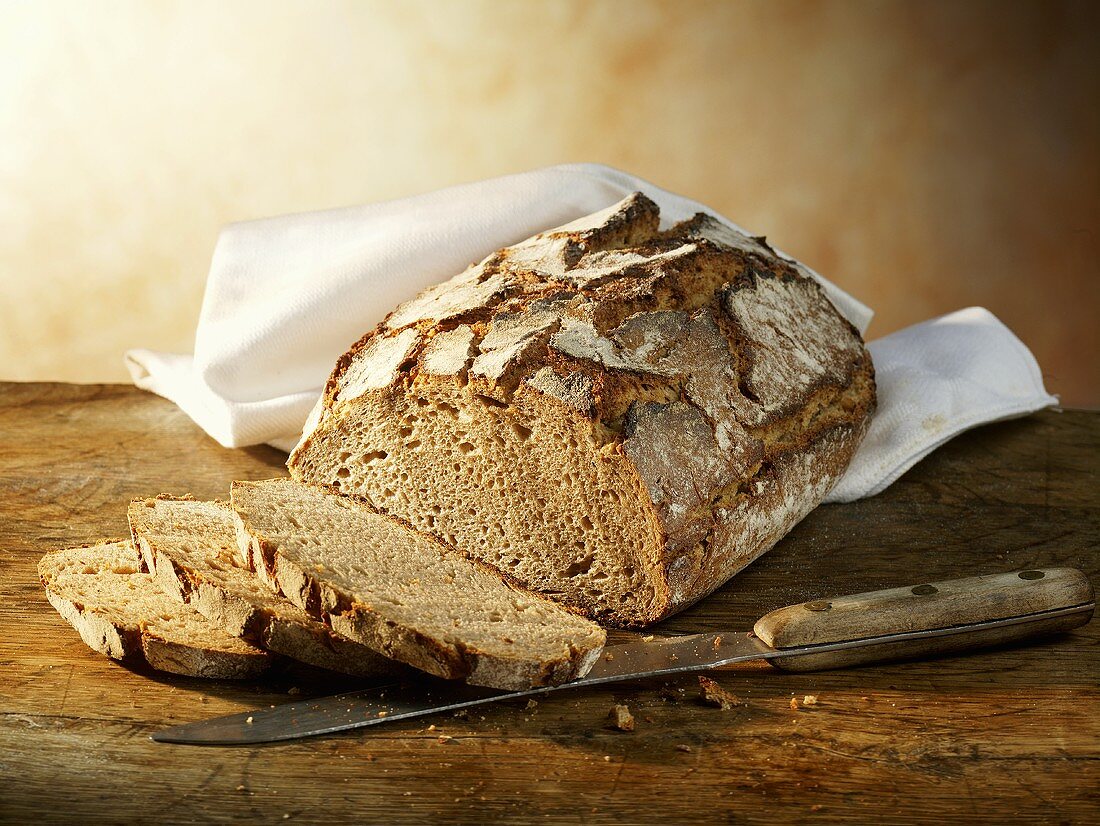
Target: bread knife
{"x": 901, "y": 623}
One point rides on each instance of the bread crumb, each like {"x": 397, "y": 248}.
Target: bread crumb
{"x": 794, "y": 703}
{"x": 607, "y": 758}
{"x": 608, "y": 656}
{"x": 531, "y": 704}
{"x": 620, "y": 718}
{"x": 713, "y": 694}
{"x": 286, "y": 816}
{"x": 671, "y": 693}
{"x": 462, "y": 714}
{"x": 431, "y": 727}
{"x": 809, "y": 700}
{"x": 683, "y": 747}
{"x": 294, "y": 691}
{"x": 240, "y": 788}
{"x": 648, "y": 638}
{"x": 445, "y": 738}
{"x": 248, "y": 720}
{"x": 383, "y": 714}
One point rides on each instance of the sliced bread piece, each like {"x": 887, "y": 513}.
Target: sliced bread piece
{"x": 405, "y": 594}
{"x": 122, "y": 612}
{"x": 191, "y": 548}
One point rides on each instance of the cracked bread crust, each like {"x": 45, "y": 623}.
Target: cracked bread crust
{"x": 702, "y": 385}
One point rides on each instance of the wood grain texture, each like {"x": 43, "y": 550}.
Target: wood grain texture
{"x": 1008, "y": 733}
{"x": 1035, "y": 630}
{"x": 923, "y": 607}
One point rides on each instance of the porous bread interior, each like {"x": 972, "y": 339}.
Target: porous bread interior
{"x": 535, "y": 493}
{"x": 201, "y": 537}
{"x": 197, "y": 542}
{"x": 369, "y": 562}
{"x": 107, "y": 580}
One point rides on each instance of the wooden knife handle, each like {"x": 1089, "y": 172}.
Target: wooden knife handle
{"x": 928, "y": 607}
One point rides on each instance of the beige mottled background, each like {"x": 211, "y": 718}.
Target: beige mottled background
{"x": 926, "y": 156}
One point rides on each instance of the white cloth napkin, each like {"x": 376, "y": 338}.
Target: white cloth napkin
{"x": 935, "y": 380}
{"x": 286, "y": 296}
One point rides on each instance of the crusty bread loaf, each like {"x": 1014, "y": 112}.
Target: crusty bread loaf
{"x": 404, "y": 594}
{"x": 619, "y": 417}
{"x": 191, "y": 548}
{"x": 122, "y": 612}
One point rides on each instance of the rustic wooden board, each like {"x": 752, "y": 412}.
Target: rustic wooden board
{"x": 1011, "y": 734}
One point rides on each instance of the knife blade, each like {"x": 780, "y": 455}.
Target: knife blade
{"x": 900, "y": 623}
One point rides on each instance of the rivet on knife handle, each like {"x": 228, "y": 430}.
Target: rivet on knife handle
{"x": 924, "y": 607}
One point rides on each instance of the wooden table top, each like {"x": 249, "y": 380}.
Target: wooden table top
{"x": 1006, "y": 734}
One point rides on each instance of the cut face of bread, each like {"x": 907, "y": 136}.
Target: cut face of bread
{"x": 122, "y": 612}
{"x": 191, "y": 547}
{"x": 615, "y": 416}
{"x": 404, "y": 594}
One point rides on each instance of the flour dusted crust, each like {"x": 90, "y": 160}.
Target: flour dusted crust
{"x": 617, "y": 416}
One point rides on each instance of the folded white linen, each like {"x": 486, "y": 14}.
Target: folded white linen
{"x": 935, "y": 380}
{"x": 286, "y": 296}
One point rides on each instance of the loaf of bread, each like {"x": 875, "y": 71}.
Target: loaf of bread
{"x": 120, "y": 611}
{"x": 619, "y": 417}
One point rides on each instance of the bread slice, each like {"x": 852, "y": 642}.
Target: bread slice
{"x": 406, "y": 595}
{"x": 122, "y": 612}
{"x": 619, "y": 417}
{"x": 191, "y": 547}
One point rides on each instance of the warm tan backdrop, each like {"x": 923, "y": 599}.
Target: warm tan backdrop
{"x": 926, "y": 156}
